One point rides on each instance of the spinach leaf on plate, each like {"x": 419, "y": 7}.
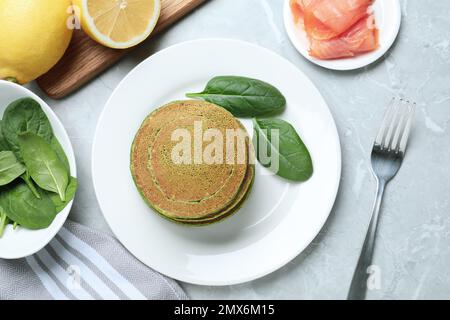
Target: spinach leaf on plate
{"x": 243, "y": 97}
{"x": 10, "y": 167}
{"x": 24, "y": 115}
{"x": 21, "y": 206}
{"x": 294, "y": 159}
{"x": 43, "y": 164}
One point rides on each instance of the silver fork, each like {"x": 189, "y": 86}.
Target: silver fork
{"x": 387, "y": 156}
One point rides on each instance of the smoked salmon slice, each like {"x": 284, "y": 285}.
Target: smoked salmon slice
{"x": 326, "y": 19}
{"x": 336, "y": 28}
{"x": 297, "y": 10}
{"x": 307, "y": 20}
{"x": 360, "y": 38}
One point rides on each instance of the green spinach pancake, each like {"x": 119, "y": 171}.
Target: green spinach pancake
{"x": 181, "y": 173}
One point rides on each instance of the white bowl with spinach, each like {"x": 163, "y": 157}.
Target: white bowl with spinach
{"x": 37, "y": 172}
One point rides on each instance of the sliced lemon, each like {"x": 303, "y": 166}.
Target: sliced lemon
{"x": 118, "y": 24}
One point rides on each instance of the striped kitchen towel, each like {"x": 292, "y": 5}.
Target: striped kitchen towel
{"x": 80, "y": 263}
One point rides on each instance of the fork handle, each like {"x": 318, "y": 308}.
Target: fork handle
{"x": 358, "y": 287}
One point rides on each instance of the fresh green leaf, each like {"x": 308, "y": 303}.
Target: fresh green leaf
{"x": 43, "y": 164}
{"x": 294, "y": 160}
{"x": 243, "y": 97}
{"x": 56, "y": 146}
{"x": 70, "y": 194}
{"x": 24, "y": 115}
{"x": 4, "y": 146}
{"x": 10, "y": 167}
{"x": 3, "y": 221}
{"x": 21, "y": 206}
{"x": 27, "y": 179}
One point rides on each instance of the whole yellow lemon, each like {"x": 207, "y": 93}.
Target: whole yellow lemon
{"x": 34, "y": 34}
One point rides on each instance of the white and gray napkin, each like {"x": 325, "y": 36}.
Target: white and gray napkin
{"x": 80, "y": 263}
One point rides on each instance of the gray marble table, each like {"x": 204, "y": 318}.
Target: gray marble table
{"x": 413, "y": 246}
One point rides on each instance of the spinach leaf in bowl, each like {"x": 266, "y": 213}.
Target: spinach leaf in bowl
{"x": 10, "y": 167}
{"x": 4, "y": 220}
{"x": 4, "y": 146}
{"x": 43, "y": 164}
{"x": 294, "y": 160}
{"x": 56, "y": 146}
{"x": 24, "y": 115}
{"x": 27, "y": 179}
{"x": 243, "y": 97}
{"x": 21, "y": 206}
{"x": 70, "y": 194}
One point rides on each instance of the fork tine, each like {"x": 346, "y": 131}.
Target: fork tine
{"x": 406, "y": 132}
{"x": 392, "y": 125}
{"x": 404, "y": 112}
{"x": 385, "y": 124}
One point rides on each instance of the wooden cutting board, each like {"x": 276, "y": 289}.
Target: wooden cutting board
{"x": 85, "y": 58}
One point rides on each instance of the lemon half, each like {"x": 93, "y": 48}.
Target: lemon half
{"x": 118, "y": 24}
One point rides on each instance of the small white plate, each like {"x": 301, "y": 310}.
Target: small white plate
{"x": 22, "y": 242}
{"x": 278, "y": 220}
{"x": 388, "y": 18}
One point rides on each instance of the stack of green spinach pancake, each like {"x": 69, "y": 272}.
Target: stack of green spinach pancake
{"x": 215, "y": 174}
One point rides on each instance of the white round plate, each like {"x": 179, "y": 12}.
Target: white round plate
{"x": 278, "y": 220}
{"x": 388, "y": 18}
{"x": 22, "y": 242}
